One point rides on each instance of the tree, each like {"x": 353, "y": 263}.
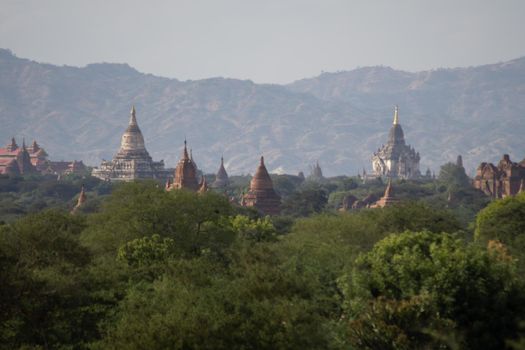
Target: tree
{"x": 504, "y": 220}
{"x": 476, "y": 289}
{"x": 46, "y": 289}
{"x": 196, "y": 222}
{"x": 309, "y": 200}
{"x": 453, "y": 176}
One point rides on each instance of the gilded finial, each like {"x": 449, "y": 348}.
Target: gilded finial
{"x": 396, "y": 115}
{"x": 133, "y": 118}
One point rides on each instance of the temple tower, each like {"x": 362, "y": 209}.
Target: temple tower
{"x": 203, "y": 185}
{"x": 185, "y": 175}
{"x": 81, "y": 200}
{"x": 396, "y": 159}
{"x": 221, "y": 178}
{"x": 388, "y": 198}
{"x": 132, "y": 160}
{"x": 261, "y": 194}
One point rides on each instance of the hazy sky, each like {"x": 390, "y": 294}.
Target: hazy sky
{"x": 265, "y": 41}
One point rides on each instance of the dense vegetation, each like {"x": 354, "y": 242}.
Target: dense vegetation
{"x": 141, "y": 268}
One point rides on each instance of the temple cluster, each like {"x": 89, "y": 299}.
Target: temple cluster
{"x": 395, "y": 160}
{"x": 23, "y": 160}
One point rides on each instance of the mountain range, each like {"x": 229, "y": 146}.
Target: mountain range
{"x": 338, "y": 119}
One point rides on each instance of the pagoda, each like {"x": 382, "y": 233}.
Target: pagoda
{"x": 388, "y": 198}
{"x": 396, "y": 159}
{"x": 261, "y": 195}
{"x": 81, "y": 200}
{"x": 316, "y": 173}
{"x": 221, "y": 178}
{"x": 185, "y": 175}
{"x": 203, "y": 185}
{"x": 132, "y": 161}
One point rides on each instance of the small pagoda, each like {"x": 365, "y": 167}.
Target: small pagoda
{"x": 261, "y": 195}
{"x": 185, "y": 175}
{"x": 388, "y": 198}
{"x": 221, "y": 179}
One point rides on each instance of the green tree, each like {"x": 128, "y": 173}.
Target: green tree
{"x": 453, "y": 176}
{"x": 309, "y": 200}
{"x": 196, "y": 222}
{"x": 477, "y": 289}
{"x": 260, "y": 301}
{"x": 46, "y": 288}
{"x": 504, "y": 220}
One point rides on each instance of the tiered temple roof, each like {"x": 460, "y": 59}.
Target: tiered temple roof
{"x": 396, "y": 158}
{"x": 261, "y": 194}
{"x": 185, "y": 175}
{"x": 132, "y": 161}
{"x": 388, "y": 198}
{"x": 221, "y": 178}
{"x": 15, "y": 160}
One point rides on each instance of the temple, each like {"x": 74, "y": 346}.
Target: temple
{"x": 221, "y": 178}
{"x": 132, "y": 161}
{"x": 396, "y": 159}
{"x": 16, "y": 160}
{"x": 185, "y": 176}
{"x": 316, "y": 173}
{"x": 81, "y": 200}
{"x": 505, "y": 179}
{"x": 388, "y": 198}
{"x": 203, "y": 185}
{"x": 261, "y": 195}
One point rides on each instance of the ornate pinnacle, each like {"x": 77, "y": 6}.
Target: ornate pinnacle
{"x": 133, "y": 118}
{"x": 185, "y": 152}
{"x": 396, "y": 115}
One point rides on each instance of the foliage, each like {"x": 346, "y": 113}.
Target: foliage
{"x": 503, "y": 220}
{"x": 305, "y": 202}
{"x": 138, "y": 267}
{"x": 453, "y": 176}
{"x": 476, "y": 289}
{"x": 142, "y": 209}
{"x": 259, "y": 230}
{"x": 45, "y": 294}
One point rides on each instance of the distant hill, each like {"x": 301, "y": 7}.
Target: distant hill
{"x": 336, "y": 118}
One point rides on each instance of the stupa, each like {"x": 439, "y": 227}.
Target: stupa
{"x": 221, "y": 178}
{"x": 261, "y": 194}
{"x": 132, "y": 161}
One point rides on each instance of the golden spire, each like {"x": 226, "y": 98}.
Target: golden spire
{"x": 396, "y": 116}
{"x": 133, "y": 118}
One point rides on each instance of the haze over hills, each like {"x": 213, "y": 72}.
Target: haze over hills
{"x": 336, "y": 118}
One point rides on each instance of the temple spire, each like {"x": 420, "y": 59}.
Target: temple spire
{"x": 262, "y": 161}
{"x": 185, "y": 152}
{"x": 81, "y": 200}
{"x": 396, "y": 115}
{"x": 133, "y": 118}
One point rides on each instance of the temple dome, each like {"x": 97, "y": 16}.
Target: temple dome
{"x": 132, "y": 139}
{"x": 261, "y": 180}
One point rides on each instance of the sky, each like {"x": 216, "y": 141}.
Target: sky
{"x": 267, "y": 41}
